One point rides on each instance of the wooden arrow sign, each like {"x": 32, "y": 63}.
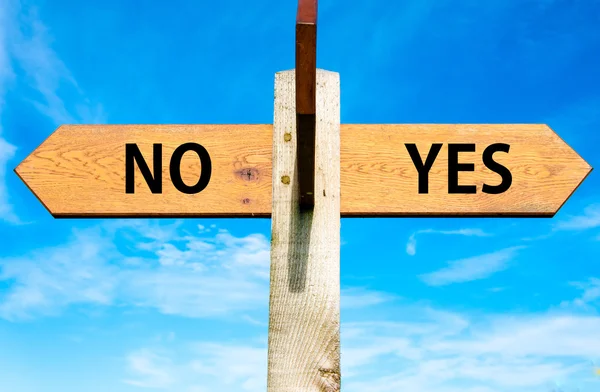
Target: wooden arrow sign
{"x": 225, "y": 170}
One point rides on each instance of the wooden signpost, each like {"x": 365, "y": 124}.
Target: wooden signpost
{"x": 386, "y": 170}
{"x": 305, "y": 172}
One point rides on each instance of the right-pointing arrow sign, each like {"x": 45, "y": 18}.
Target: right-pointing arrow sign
{"x": 457, "y": 170}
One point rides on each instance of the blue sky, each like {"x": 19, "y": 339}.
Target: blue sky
{"x": 444, "y": 305}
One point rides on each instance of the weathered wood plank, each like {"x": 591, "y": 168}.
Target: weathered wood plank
{"x": 79, "y": 171}
{"x": 303, "y": 352}
{"x": 545, "y": 170}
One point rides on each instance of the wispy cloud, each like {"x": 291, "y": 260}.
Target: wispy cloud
{"x": 151, "y": 370}
{"x": 199, "y": 367}
{"x": 591, "y": 290}
{"x": 589, "y": 297}
{"x": 246, "y": 364}
{"x": 46, "y": 73}
{"x": 206, "y": 272}
{"x": 472, "y": 268}
{"x": 193, "y": 275}
{"x": 491, "y": 353}
{"x": 590, "y": 219}
{"x": 360, "y": 298}
{"x": 418, "y": 348}
{"x": 27, "y": 57}
{"x": 47, "y": 280}
{"x": 7, "y": 150}
{"x": 411, "y": 245}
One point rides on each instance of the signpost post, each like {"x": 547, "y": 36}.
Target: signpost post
{"x": 305, "y": 172}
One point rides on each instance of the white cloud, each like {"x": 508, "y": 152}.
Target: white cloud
{"x": 360, "y": 298}
{"x": 417, "y": 349}
{"x": 590, "y": 295}
{"x": 493, "y": 353}
{"x": 203, "y": 276}
{"x": 151, "y": 370}
{"x": 472, "y": 268}
{"x": 549, "y": 335}
{"x": 199, "y": 366}
{"x": 46, "y": 73}
{"x": 590, "y": 219}
{"x": 246, "y": 365}
{"x": 149, "y": 264}
{"x": 7, "y": 150}
{"x": 189, "y": 275}
{"x": 411, "y": 245}
{"x": 26, "y": 44}
{"x": 49, "y": 279}
{"x": 591, "y": 290}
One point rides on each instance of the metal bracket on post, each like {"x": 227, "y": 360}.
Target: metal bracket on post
{"x": 306, "y": 86}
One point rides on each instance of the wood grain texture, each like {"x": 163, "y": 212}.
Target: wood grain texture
{"x": 379, "y": 178}
{"x": 307, "y": 11}
{"x": 79, "y": 171}
{"x": 306, "y": 73}
{"x": 306, "y": 56}
{"x": 305, "y": 147}
{"x": 304, "y": 308}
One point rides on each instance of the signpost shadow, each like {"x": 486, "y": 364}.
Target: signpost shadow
{"x": 299, "y": 240}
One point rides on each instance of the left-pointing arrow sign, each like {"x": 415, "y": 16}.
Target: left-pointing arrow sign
{"x": 152, "y": 170}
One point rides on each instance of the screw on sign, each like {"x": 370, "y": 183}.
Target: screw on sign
{"x": 305, "y": 172}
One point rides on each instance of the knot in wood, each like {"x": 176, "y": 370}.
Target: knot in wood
{"x": 330, "y": 379}
{"x": 248, "y": 174}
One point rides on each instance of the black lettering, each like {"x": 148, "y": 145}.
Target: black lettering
{"x": 454, "y": 167}
{"x": 423, "y": 168}
{"x": 488, "y": 161}
{"x": 132, "y": 155}
{"x": 175, "y": 168}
